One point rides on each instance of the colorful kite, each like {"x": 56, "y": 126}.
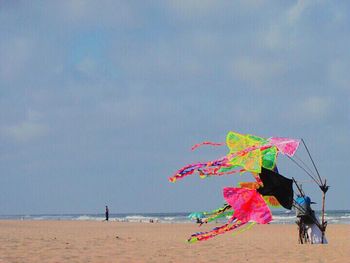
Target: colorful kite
{"x": 249, "y": 202}
{"x": 247, "y": 153}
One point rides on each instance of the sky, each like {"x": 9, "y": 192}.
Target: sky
{"x": 101, "y": 101}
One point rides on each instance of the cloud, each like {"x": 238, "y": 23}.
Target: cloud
{"x": 256, "y": 72}
{"x": 86, "y": 66}
{"x": 283, "y": 30}
{"x": 192, "y": 8}
{"x": 26, "y": 130}
{"x": 205, "y": 7}
{"x": 295, "y": 12}
{"x": 123, "y": 79}
{"x": 92, "y": 14}
{"x": 277, "y": 37}
{"x": 316, "y": 108}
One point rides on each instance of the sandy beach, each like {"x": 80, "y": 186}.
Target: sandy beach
{"x": 91, "y": 241}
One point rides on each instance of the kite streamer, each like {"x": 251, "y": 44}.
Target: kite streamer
{"x": 247, "y": 153}
{"x": 201, "y": 236}
{"x": 205, "y": 143}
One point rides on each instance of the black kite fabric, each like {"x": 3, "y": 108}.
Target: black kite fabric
{"x": 277, "y": 186}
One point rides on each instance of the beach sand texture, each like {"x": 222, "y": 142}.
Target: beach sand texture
{"x": 92, "y": 241}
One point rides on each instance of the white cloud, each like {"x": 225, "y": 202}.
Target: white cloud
{"x": 188, "y": 9}
{"x": 278, "y": 36}
{"x": 315, "y": 110}
{"x": 127, "y": 112}
{"x": 86, "y": 66}
{"x": 283, "y": 30}
{"x": 256, "y": 72}
{"x": 339, "y": 15}
{"x": 34, "y": 116}
{"x": 90, "y": 13}
{"x": 316, "y": 107}
{"x": 27, "y": 129}
{"x": 192, "y": 7}
{"x": 75, "y": 9}
{"x": 296, "y": 11}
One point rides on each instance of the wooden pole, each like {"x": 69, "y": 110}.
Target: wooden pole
{"x": 323, "y": 205}
{"x": 299, "y": 188}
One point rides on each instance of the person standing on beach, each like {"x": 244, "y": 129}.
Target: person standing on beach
{"x": 310, "y": 230}
{"x": 107, "y": 213}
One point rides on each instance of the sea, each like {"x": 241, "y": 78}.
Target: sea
{"x": 279, "y": 217}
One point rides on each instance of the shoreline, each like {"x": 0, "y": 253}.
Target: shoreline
{"x": 279, "y": 217}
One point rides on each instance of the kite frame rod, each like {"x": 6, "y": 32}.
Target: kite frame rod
{"x": 304, "y": 164}
{"x": 300, "y": 207}
{"x": 314, "y": 219}
{"x": 323, "y": 186}
{"x": 324, "y": 189}
{"x": 299, "y": 188}
{"x": 313, "y": 163}
{"x": 301, "y": 167}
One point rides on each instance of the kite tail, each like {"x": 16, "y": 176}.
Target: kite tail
{"x": 206, "y": 143}
{"x": 218, "y": 213}
{"x": 203, "y": 173}
{"x": 200, "y": 236}
{"x": 245, "y": 228}
{"x": 191, "y": 168}
{"x": 218, "y": 171}
{"x": 218, "y": 167}
{"x": 217, "y": 216}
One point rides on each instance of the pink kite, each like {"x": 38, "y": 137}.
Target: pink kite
{"x": 248, "y": 205}
{"x": 285, "y": 145}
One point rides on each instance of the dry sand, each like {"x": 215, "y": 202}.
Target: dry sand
{"x": 86, "y": 241}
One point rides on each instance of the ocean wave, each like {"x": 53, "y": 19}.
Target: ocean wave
{"x": 140, "y": 218}
{"x": 89, "y": 218}
{"x": 332, "y": 217}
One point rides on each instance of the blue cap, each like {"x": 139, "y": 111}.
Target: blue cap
{"x": 301, "y": 200}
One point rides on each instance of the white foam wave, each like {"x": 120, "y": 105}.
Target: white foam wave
{"x": 169, "y": 218}
{"x": 140, "y": 218}
{"x": 338, "y": 217}
{"x": 89, "y": 218}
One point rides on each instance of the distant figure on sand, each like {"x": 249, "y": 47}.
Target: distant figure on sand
{"x": 107, "y": 213}
{"x": 199, "y": 220}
